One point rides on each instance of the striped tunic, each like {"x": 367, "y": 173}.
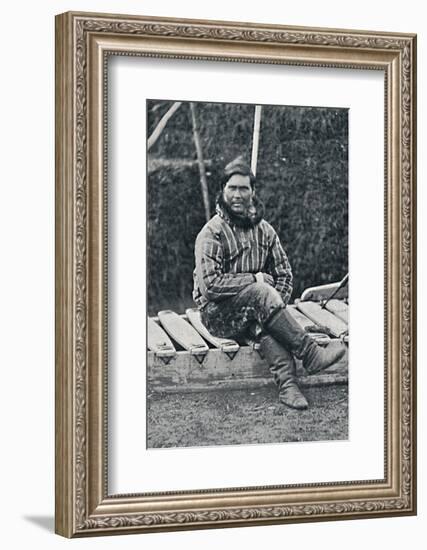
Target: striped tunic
{"x": 228, "y": 257}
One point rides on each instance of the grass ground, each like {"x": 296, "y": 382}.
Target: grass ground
{"x": 245, "y": 417}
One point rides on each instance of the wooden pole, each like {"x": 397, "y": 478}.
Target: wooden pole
{"x": 255, "y": 138}
{"x": 162, "y": 123}
{"x": 201, "y": 162}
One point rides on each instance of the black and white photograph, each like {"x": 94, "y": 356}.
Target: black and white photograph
{"x": 247, "y": 274}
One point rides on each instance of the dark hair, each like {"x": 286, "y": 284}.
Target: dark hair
{"x": 237, "y": 166}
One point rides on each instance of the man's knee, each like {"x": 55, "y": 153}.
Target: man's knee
{"x": 265, "y": 299}
{"x": 266, "y": 291}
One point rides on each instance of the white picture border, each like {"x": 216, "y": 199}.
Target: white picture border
{"x": 131, "y": 466}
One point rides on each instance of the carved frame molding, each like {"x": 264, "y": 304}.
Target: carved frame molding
{"x": 83, "y": 43}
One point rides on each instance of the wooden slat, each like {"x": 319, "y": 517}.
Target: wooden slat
{"x": 299, "y": 317}
{"x": 338, "y": 308}
{"x": 224, "y": 344}
{"x": 323, "y": 317}
{"x": 158, "y": 341}
{"x": 183, "y": 333}
{"x": 323, "y": 292}
{"x": 306, "y": 323}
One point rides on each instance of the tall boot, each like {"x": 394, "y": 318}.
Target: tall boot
{"x": 282, "y": 366}
{"x": 289, "y": 333}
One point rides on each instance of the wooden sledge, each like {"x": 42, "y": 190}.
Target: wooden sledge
{"x": 183, "y": 356}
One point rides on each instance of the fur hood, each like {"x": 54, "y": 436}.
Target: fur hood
{"x": 252, "y": 218}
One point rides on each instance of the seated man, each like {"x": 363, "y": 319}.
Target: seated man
{"x": 243, "y": 280}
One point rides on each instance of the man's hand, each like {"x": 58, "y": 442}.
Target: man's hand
{"x": 264, "y": 277}
{"x": 268, "y": 279}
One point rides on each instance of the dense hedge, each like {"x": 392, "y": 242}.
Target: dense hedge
{"x": 301, "y": 177}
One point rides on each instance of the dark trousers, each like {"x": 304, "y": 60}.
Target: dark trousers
{"x": 238, "y": 316}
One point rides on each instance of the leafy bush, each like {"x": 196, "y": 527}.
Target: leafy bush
{"x": 302, "y": 177}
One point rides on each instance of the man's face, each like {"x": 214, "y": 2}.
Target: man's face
{"x": 238, "y": 193}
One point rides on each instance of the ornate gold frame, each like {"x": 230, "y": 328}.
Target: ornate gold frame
{"x": 83, "y": 42}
